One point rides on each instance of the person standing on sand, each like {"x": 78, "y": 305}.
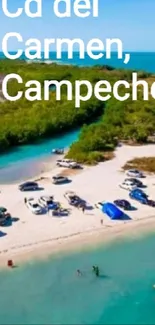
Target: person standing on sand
{"x": 83, "y": 208}
{"x": 101, "y": 221}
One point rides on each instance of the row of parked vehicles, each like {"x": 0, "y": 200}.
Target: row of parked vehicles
{"x": 57, "y": 180}
{"x": 43, "y": 204}
{"x": 133, "y": 180}
{"x": 34, "y": 186}
{"x": 135, "y": 186}
{"x": 137, "y": 195}
{"x": 46, "y": 203}
{"x": 39, "y": 206}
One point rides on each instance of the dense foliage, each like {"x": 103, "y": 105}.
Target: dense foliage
{"x": 129, "y": 121}
{"x": 23, "y": 121}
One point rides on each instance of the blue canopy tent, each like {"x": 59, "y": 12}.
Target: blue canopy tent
{"x": 112, "y": 211}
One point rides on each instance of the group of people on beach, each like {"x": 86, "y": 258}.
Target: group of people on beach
{"x": 95, "y": 270}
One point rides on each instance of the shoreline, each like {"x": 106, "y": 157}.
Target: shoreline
{"x": 40, "y": 236}
{"x": 36, "y": 168}
{"x": 92, "y": 239}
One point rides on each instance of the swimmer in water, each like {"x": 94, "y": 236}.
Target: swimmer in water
{"x": 79, "y": 273}
{"x": 96, "y": 270}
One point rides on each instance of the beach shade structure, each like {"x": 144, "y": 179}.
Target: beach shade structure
{"x": 112, "y": 211}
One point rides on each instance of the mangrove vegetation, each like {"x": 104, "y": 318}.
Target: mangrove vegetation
{"x": 24, "y": 122}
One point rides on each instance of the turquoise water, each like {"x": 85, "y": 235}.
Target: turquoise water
{"x": 24, "y": 161}
{"x": 51, "y": 293}
{"x": 138, "y": 60}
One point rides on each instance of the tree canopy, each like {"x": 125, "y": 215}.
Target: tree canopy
{"x": 23, "y": 121}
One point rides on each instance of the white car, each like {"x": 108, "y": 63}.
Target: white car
{"x": 33, "y": 206}
{"x": 60, "y": 179}
{"x": 128, "y": 181}
{"x": 128, "y": 186}
{"x": 47, "y": 201}
{"x": 67, "y": 163}
{"x": 134, "y": 173}
{"x": 69, "y": 195}
{"x": 73, "y": 199}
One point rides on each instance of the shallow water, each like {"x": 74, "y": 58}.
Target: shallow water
{"x": 50, "y": 292}
{"x": 26, "y": 161}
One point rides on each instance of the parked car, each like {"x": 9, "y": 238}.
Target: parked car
{"x": 151, "y": 203}
{"x": 67, "y": 163}
{"x": 47, "y": 202}
{"x": 124, "y": 204}
{"x": 60, "y": 180}
{"x": 64, "y": 163}
{"x": 28, "y": 186}
{"x": 34, "y": 206}
{"x": 139, "y": 196}
{"x": 58, "y": 151}
{"x": 60, "y": 212}
{"x": 73, "y": 199}
{"x": 134, "y": 181}
{"x": 134, "y": 173}
{"x": 128, "y": 186}
{"x": 4, "y": 221}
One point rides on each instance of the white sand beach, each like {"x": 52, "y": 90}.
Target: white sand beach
{"x": 40, "y": 235}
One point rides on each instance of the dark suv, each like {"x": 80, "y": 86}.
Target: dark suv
{"x": 28, "y": 186}
{"x": 124, "y": 204}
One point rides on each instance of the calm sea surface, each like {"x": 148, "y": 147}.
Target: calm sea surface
{"x": 138, "y": 60}
{"x": 50, "y": 292}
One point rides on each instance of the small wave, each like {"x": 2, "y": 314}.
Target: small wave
{"x": 55, "y": 61}
{"x": 46, "y": 61}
